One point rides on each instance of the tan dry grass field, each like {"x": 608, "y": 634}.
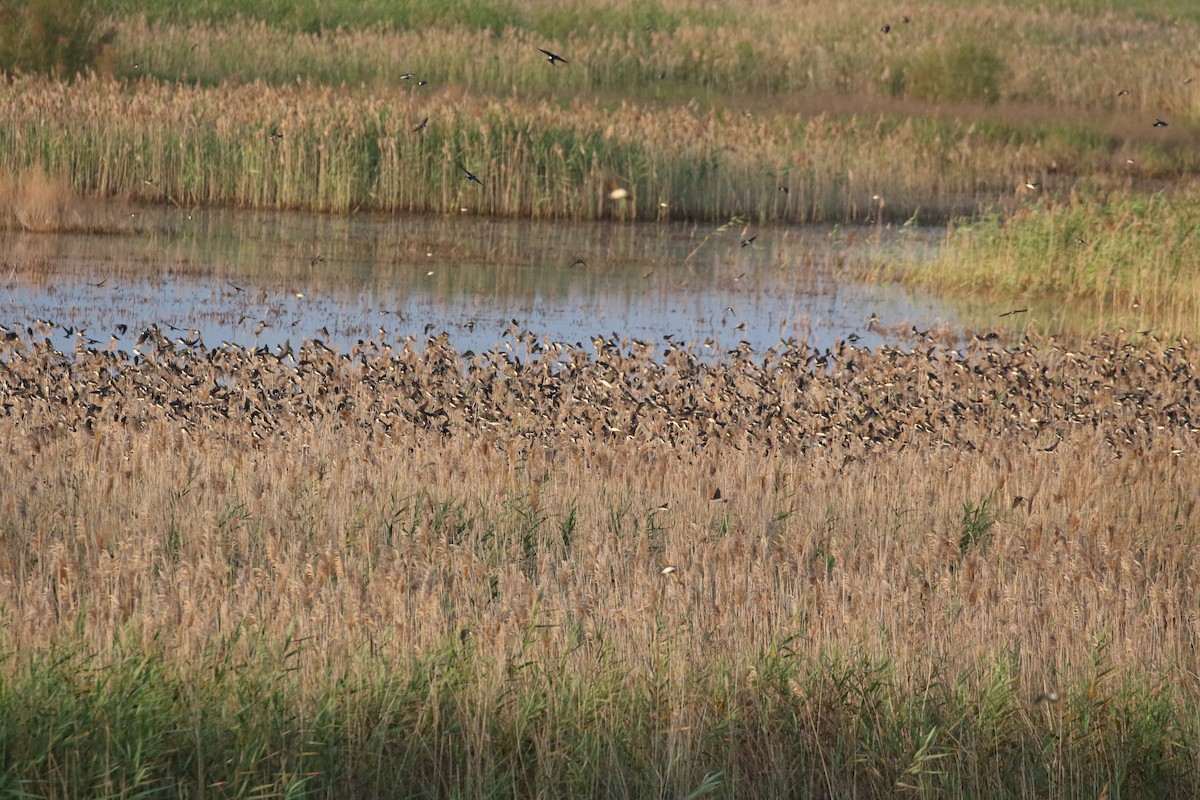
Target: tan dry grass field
{"x": 1015, "y": 522}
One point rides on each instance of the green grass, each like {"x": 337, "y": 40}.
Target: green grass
{"x": 1115, "y": 247}
{"x": 446, "y": 723}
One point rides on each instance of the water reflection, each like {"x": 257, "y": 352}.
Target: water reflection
{"x": 259, "y": 279}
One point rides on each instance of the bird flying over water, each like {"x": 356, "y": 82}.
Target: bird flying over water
{"x": 553, "y": 57}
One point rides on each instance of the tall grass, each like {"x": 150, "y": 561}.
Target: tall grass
{"x": 349, "y": 150}
{"x": 241, "y": 596}
{"x": 1038, "y": 60}
{"x": 1113, "y": 253}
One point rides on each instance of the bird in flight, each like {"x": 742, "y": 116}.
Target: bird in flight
{"x": 1158, "y": 123}
{"x": 749, "y": 241}
{"x": 420, "y": 127}
{"x": 553, "y": 57}
{"x": 470, "y": 175}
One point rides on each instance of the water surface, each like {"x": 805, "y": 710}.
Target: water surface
{"x": 258, "y": 279}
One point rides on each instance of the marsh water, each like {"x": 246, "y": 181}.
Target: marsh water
{"x": 256, "y": 279}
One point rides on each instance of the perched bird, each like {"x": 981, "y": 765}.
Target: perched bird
{"x": 470, "y": 175}
{"x": 553, "y": 57}
{"x": 421, "y": 126}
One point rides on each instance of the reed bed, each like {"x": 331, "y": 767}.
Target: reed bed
{"x": 956, "y": 570}
{"x": 1048, "y": 58}
{"x": 1113, "y": 254}
{"x": 347, "y": 150}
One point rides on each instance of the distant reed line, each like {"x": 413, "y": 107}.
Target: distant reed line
{"x": 1059, "y": 59}
{"x": 350, "y": 150}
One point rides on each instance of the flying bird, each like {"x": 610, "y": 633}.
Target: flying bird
{"x": 553, "y": 57}
{"x": 886, "y": 28}
{"x": 470, "y": 175}
{"x": 1158, "y": 123}
{"x": 749, "y": 241}
{"x": 421, "y": 126}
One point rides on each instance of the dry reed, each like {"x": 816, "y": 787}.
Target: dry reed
{"x": 940, "y": 514}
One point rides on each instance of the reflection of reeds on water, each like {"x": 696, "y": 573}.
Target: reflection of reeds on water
{"x": 549, "y": 513}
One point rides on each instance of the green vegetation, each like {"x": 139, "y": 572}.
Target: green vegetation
{"x": 444, "y": 724}
{"x": 1114, "y": 252}
{"x": 52, "y": 37}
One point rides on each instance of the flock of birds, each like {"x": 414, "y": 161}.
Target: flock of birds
{"x": 628, "y": 392}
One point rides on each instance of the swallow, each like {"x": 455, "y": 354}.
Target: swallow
{"x": 1014, "y": 311}
{"x": 470, "y": 175}
{"x": 553, "y": 57}
{"x": 1122, "y": 93}
{"x": 408, "y": 75}
{"x": 748, "y": 242}
{"x": 317, "y": 259}
{"x": 98, "y": 285}
{"x": 1158, "y": 123}
{"x": 276, "y": 136}
{"x": 235, "y": 287}
{"x": 886, "y": 28}
{"x": 421, "y": 126}
{"x": 579, "y": 262}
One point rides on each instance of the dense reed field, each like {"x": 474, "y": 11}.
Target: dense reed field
{"x": 1120, "y": 258}
{"x": 390, "y": 572}
{"x": 948, "y": 568}
{"x": 809, "y": 113}
{"x": 697, "y": 114}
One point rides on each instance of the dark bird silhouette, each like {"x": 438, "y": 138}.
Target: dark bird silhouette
{"x": 1158, "y": 123}
{"x": 749, "y": 241}
{"x": 1014, "y": 311}
{"x": 553, "y": 57}
{"x": 98, "y": 285}
{"x": 886, "y": 28}
{"x": 579, "y": 262}
{"x": 470, "y": 175}
{"x": 236, "y": 288}
{"x": 1122, "y": 93}
{"x": 421, "y": 126}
